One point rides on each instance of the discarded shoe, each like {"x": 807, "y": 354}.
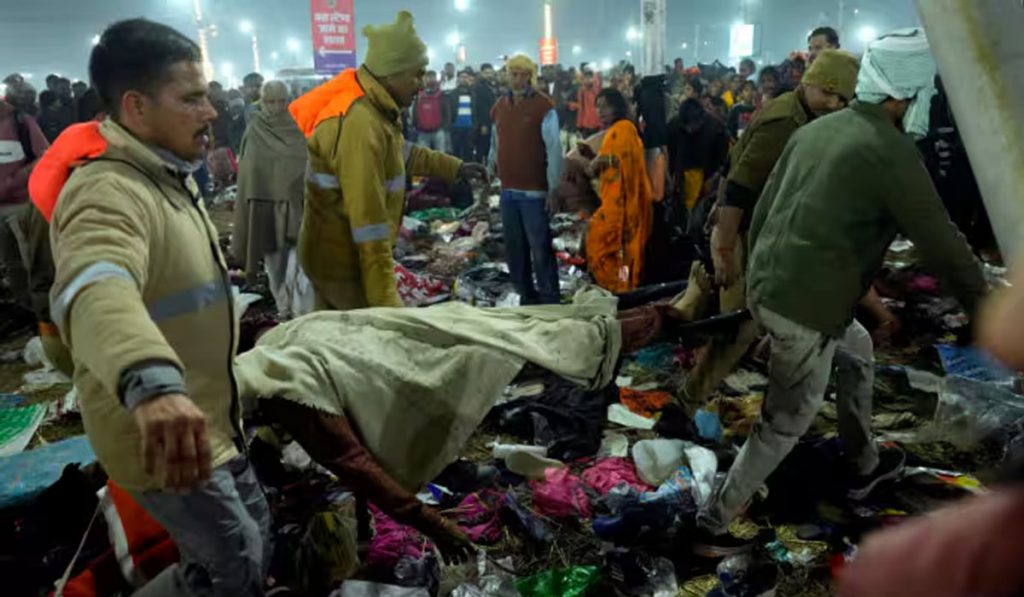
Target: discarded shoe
{"x": 708, "y": 545}
{"x": 891, "y": 462}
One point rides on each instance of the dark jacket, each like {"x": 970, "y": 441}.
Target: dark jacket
{"x": 707, "y": 149}
{"x": 484, "y": 98}
{"x": 453, "y": 105}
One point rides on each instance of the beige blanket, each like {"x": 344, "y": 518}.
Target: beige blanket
{"x": 416, "y": 383}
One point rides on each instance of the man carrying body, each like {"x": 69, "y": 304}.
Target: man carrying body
{"x": 821, "y": 39}
{"x": 526, "y": 153}
{"x": 142, "y": 299}
{"x": 430, "y": 115}
{"x": 268, "y": 211}
{"x": 842, "y": 190}
{"x": 828, "y": 85}
{"x": 358, "y": 167}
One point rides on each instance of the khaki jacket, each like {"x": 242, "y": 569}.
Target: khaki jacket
{"x": 359, "y": 165}
{"x": 141, "y": 279}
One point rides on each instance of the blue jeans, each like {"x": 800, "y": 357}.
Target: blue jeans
{"x": 528, "y": 245}
{"x": 222, "y": 530}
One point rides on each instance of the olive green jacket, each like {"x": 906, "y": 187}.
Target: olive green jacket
{"x": 759, "y": 148}
{"x": 844, "y": 187}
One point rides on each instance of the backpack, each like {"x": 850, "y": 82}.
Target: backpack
{"x": 428, "y": 112}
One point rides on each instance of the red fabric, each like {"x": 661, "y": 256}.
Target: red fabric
{"x": 972, "y": 548}
{"x": 417, "y": 290}
{"x": 101, "y": 577}
{"x": 587, "y": 100}
{"x": 429, "y": 110}
{"x": 151, "y": 547}
{"x": 78, "y": 143}
{"x": 612, "y": 472}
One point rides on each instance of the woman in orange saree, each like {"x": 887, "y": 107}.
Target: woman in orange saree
{"x": 620, "y": 228}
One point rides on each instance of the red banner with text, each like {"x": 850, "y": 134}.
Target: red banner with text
{"x": 334, "y": 35}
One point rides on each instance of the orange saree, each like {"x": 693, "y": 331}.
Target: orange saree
{"x": 620, "y": 228}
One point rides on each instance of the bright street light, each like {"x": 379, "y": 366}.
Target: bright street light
{"x": 867, "y": 34}
{"x": 577, "y": 50}
{"x": 686, "y": 46}
{"x": 453, "y": 39}
{"x": 462, "y": 5}
{"x": 246, "y": 26}
{"x": 293, "y": 45}
{"x": 633, "y": 34}
{"x": 96, "y": 39}
{"x": 606, "y": 65}
{"x": 274, "y": 56}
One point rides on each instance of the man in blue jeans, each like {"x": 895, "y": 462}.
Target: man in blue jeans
{"x": 526, "y": 153}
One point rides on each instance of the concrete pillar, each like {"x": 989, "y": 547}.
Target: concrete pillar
{"x": 653, "y": 16}
{"x": 980, "y": 52}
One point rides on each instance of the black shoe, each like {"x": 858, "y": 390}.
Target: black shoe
{"x": 890, "y": 465}
{"x": 708, "y": 545}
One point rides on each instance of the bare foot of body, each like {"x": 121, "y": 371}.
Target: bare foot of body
{"x": 692, "y": 304}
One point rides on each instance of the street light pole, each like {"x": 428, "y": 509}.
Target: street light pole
{"x": 247, "y": 27}
{"x": 204, "y": 47}
{"x": 255, "y": 52}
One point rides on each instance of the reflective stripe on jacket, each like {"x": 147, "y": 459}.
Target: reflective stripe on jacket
{"x": 141, "y": 279}
{"x": 355, "y": 189}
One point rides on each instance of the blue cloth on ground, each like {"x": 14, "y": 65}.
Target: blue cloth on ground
{"x": 25, "y": 475}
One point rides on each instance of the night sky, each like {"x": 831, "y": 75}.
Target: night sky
{"x": 34, "y": 41}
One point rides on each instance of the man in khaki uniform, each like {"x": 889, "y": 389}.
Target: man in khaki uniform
{"x": 827, "y": 87}
{"x": 142, "y": 299}
{"x": 359, "y": 164}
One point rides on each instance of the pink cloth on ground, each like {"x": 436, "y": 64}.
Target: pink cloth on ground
{"x": 560, "y": 494}
{"x": 612, "y": 472}
{"x": 477, "y": 516}
{"x": 392, "y": 541}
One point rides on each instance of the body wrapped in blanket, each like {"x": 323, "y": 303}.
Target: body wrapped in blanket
{"x": 386, "y": 398}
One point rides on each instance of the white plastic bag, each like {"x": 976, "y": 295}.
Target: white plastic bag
{"x": 657, "y": 459}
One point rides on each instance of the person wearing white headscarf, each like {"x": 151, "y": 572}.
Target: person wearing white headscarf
{"x": 845, "y": 186}
{"x": 900, "y": 66}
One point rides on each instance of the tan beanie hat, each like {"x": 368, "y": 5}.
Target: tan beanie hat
{"x": 523, "y": 62}
{"x": 834, "y": 71}
{"x": 394, "y": 48}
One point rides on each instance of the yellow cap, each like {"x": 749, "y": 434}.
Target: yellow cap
{"x": 523, "y": 62}
{"x": 394, "y": 48}
{"x": 835, "y": 71}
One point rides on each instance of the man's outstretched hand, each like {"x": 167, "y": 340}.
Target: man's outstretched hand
{"x": 175, "y": 446}
{"x": 473, "y": 172}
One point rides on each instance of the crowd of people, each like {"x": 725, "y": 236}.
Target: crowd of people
{"x": 779, "y": 189}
